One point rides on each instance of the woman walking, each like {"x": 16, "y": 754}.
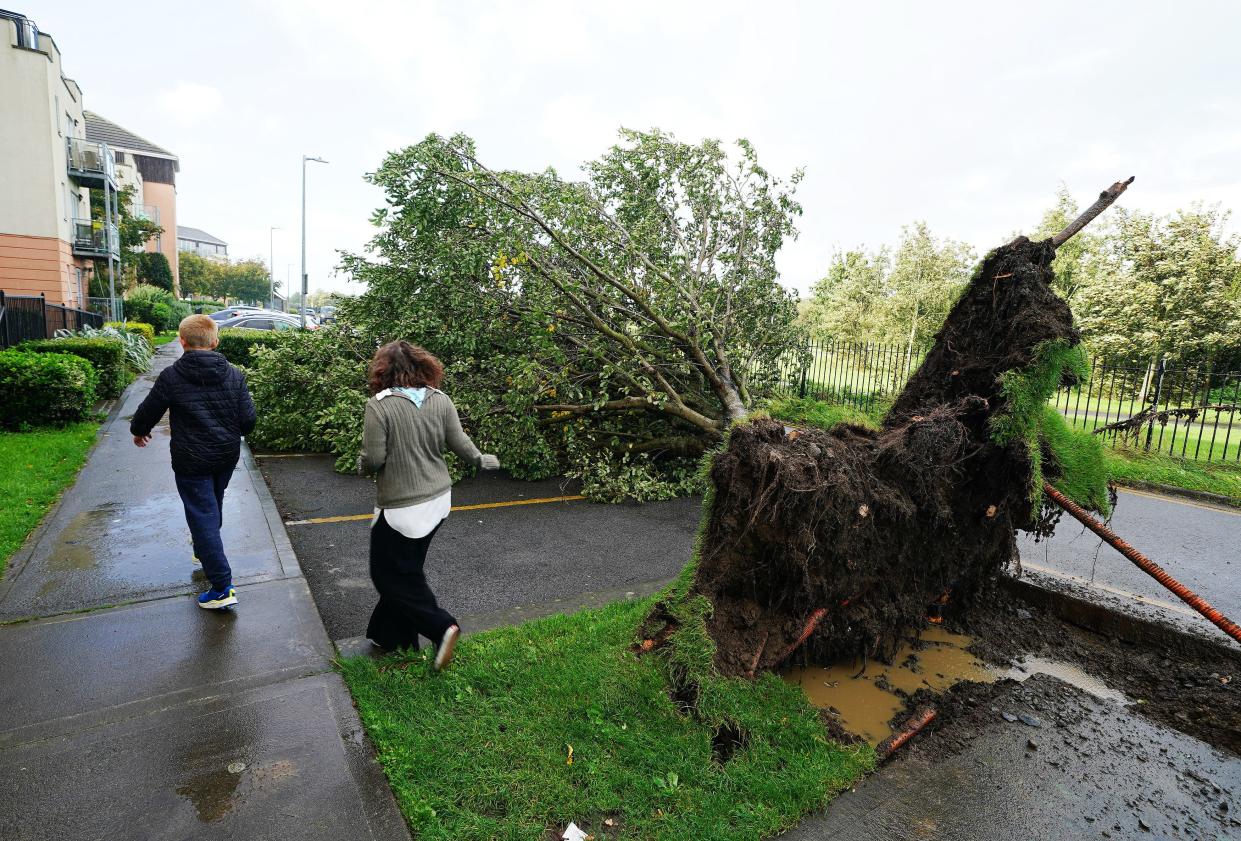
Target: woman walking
{"x": 409, "y": 424}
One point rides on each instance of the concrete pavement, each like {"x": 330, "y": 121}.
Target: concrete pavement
{"x": 1090, "y": 769}
{"x": 128, "y": 712}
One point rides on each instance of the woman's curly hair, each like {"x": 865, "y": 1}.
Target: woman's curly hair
{"x": 400, "y": 364}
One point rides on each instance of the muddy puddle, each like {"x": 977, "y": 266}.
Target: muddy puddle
{"x": 864, "y": 700}
{"x": 1068, "y": 673}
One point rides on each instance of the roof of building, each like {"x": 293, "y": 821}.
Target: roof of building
{"x": 102, "y": 130}
{"x": 198, "y": 235}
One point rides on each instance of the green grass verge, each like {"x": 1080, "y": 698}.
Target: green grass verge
{"x": 1125, "y": 465}
{"x": 34, "y": 468}
{"x": 165, "y": 338}
{"x": 481, "y": 751}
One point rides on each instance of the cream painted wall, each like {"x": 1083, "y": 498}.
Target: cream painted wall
{"x": 39, "y": 199}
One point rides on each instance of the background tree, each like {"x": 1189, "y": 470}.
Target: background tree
{"x": 900, "y": 296}
{"x": 849, "y": 303}
{"x": 246, "y": 280}
{"x": 153, "y": 268}
{"x": 927, "y": 276}
{"x": 1164, "y": 286}
{"x": 200, "y": 277}
{"x": 134, "y": 232}
{"x": 626, "y": 317}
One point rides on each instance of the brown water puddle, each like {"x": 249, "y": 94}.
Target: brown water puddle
{"x": 865, "y": 702}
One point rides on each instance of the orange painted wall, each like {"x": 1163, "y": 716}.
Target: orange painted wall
{"x": 40, "y": 265}
{"x": 164, "y": 196}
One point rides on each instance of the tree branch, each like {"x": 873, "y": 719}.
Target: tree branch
{"x": 1105, "y": 200}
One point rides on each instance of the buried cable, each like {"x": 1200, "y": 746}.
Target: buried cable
{"x": 912, "y": 728}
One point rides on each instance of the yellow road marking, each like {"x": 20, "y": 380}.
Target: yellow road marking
{"x": 346, "y": 518}
{"x": 1222, "y": 508}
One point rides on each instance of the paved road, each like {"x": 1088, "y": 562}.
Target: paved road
{"x": 156, "y": 719}
{"x": 1199, "y": 544}
{"x": 483, "y": 561}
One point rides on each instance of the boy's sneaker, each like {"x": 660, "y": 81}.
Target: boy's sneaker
{"x": 443, "y": 654}
{"x": 218, "y": 599}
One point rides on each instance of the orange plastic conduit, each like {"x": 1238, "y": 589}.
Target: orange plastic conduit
{"x": 913, "y": 727}
{"x": 811, "y": 624}
{"x": 1146, "y": 564}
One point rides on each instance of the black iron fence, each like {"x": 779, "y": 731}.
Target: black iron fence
{"x": 24, "y": 317}
{"x": 1187, "y": 411}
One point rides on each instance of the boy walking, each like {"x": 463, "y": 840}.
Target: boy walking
{"x": 210, "y": 410}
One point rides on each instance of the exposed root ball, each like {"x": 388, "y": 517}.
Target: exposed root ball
{"x": 875, "y": 526}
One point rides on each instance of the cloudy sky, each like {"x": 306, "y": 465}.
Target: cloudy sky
{"x": 967, "y": 115}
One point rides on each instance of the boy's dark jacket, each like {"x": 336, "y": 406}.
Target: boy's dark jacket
{"x": 210, "y": 410}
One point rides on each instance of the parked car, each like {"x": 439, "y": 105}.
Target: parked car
{"x": 233, "y": 312}
{"x": 327, "y": 314}
{"x": 268, "y": 320}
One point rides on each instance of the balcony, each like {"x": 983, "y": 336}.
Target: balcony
{"x": 95, "y": 239}
{"x": 91, "y": 163}
{"x": 149, "y": 212}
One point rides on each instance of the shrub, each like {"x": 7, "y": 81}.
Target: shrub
{"x": 106, "y": 354}
{"x": 155, "y": 306}
{"x": 153, "y": 268}
{"x": 238, "y": 343}
{"x": 44, "y": 389}
{"x": 138, "y": 350}
{"x": 310, "y": 389}
{"x": 141, "y": 328}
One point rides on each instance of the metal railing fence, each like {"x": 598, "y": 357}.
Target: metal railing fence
{"x": 24, "y": 317}
{"x": 1188, "y": 411}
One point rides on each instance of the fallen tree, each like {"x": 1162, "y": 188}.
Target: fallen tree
{"x": 836, "y": 541}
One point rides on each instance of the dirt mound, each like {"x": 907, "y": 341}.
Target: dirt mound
{"x": 872, "y": 527}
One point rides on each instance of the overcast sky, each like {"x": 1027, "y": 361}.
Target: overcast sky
{"x": 965, "y": 115}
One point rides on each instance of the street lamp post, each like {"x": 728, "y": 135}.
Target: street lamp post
{"x": 271, "y": 265}
{"x": 302, "y": 308}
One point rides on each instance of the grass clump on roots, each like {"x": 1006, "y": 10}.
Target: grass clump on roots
{"x": 1071, "y": 460}
{"x": 482, "y": 751}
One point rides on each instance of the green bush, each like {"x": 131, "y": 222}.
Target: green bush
{"x": 238, "y": 343}
{"x": 153, "y": 268}
{"x": 105, "y": 354}
{"x": 155, "y": 306}
{"x": 310, "y": 390}
{"x": 44, "y": 389}
{"x": 141, "y": 328}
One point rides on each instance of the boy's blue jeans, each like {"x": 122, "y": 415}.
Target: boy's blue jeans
{"x": 203, "y": 498}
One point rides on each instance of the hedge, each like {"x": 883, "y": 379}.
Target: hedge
{"x": 44, "y": 389}
{"x": 155, "y": 306}
{"x": 106, "y": 356}
{"x": 143, "y": 329}
{"x": 238, "y": 343}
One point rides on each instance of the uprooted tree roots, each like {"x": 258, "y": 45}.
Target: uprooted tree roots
{"x": 837, "y": 541}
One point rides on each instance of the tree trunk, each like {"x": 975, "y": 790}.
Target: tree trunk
{"x": 874, "y": 526}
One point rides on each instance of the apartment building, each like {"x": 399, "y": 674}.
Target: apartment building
{"x": 198, "y": 241}
{"x": 151, "y": 172}
{"x": 53, "y": 154}
{"x": 47, "y": 168}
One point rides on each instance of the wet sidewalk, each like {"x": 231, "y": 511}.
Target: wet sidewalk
{"x": 128, "y": 712}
